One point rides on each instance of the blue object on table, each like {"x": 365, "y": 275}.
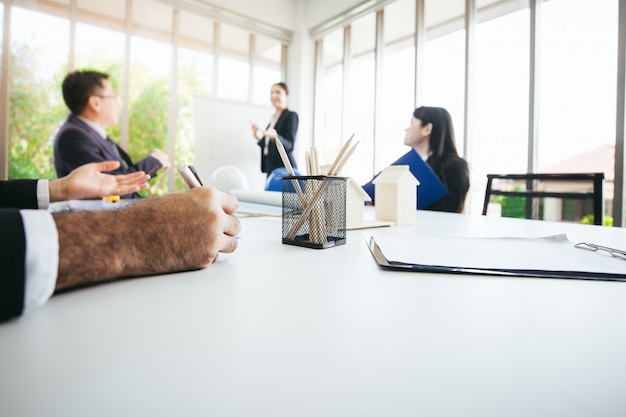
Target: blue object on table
{"x": 274, "y": 181}
{"x": 430, "y": 190}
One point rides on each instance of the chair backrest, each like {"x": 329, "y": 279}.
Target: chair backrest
{"x": 557, "y": 197}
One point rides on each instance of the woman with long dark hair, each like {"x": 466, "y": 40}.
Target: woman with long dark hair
{"x": 431, "y": 135}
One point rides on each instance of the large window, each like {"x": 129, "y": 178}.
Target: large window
{"x": 575, "y": 95}
{"x": 443, "y": 83}
{"x": 578, "y": 80}
{"x": 195, "y": 75}
{"x": 195, "y": 55}
{"x": 233, "y": 68}
{"x": 195, "y": 69}
{"x": 42, "y": 53}
{"x": 578, "y": 95}
{"x": 359, "y": 109}
{"x": 149, "y": 97}
{"x": 328, "y": 137}
{"x": 500, "y": 137}
{"x": 266, "y": 72}
{"x": 100, "y": 49}
{"x": 398, "y": 82}
{"x": 149, "y": 84}
{"x": 39, "y": 51}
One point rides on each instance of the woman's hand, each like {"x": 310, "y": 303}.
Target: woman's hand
{"x": 272, "y": 134}
{"x": 257, "y": 133}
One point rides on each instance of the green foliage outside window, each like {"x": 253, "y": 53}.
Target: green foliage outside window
{"x": 511, "y": 206}
{"x": 37, "y": 111}
{"x": 606, "y": 220}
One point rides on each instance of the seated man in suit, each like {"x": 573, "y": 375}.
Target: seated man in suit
{"x": 43, "y": 253}
{"x": 82, "y": 138}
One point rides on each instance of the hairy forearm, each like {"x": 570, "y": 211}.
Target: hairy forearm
{"x": 159, "y": 235}
{"x": 89, "y": 249}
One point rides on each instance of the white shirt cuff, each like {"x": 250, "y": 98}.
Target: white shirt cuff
{"x": 43, "y": 195}
{"x": 42, "y": 257}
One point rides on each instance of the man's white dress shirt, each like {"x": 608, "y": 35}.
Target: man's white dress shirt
{"x": 42, "y": 250}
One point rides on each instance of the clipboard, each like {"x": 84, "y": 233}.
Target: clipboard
{"x": 430, "y": 190}
{"x": 386, "y": 264}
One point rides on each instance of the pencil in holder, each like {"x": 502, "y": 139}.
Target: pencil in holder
{"x": 314, "y": 211}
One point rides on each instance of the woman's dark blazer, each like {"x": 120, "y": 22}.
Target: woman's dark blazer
{"x": 77, "y": 144}
{"x": 286, "y": 127}
{"x": 454, "y": 174}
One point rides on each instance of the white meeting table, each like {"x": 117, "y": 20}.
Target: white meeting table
{"x": 281, "y": 330}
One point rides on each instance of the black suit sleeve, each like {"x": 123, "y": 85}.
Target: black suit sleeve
{"x": 12, "y": 261}
{"x": 18, "y": 194}
{"x": 149, "y": 164}
{"x": 74, "y": 149}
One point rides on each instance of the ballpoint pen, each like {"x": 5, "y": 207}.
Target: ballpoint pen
{"x": 189, "y": 174}
{"x": 195, "y": 174}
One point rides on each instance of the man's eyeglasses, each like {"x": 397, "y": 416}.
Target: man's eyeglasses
{"x": 103, "y": 96}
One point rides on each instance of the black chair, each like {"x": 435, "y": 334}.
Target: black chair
{"x": 558, "y": 197}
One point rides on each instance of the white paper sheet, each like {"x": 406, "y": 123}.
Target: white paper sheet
{"x": 550, "y": 253}
{"x": 82, "y": 205}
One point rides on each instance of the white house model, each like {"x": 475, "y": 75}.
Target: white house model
{"x": 355, "y": 197}
{"x": 395, "y": 195}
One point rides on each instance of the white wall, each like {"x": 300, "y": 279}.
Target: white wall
{"x": 276, "y": 12}
{"x": 318, "y": 11}
{"x": 284, "y": 13}
{"x": 301, "y": 63}
{"x": 298, "y": 16}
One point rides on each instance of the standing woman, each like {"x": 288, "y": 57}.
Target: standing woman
{"x": 431, "y": 135}
{"x": 282, "y": 126}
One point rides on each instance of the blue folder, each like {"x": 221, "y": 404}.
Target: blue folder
{"x": 430, "y": 190}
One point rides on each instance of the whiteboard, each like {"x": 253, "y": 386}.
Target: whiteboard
{"x": 222, "y": 136}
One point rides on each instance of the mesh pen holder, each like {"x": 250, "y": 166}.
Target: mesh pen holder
{"x": 314, "y": 211}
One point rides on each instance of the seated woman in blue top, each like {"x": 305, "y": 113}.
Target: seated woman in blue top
{"x": 431, "y": 135}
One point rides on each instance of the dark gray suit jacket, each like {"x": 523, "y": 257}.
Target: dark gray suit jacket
{"x": 78, "y": 144}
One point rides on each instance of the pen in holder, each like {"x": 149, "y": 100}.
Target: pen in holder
{"x": 314, "y": 211}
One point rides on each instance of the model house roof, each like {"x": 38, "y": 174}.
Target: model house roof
{"x": 358, "y": 190}
{"x": 394, "y": 174}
